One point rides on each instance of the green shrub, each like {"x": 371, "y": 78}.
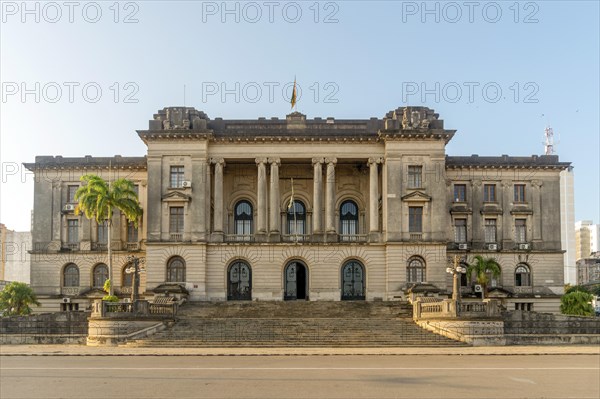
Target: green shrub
{"x": 110, "y": 298}
{"x": 577, "y": 303}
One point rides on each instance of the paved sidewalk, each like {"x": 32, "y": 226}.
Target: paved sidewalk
{"x": 80, "y": 350}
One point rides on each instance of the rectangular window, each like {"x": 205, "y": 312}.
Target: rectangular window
{"x": 176, "y": 177}
{"x": 521, "y": 230}
{"x": 524, "y": 306}
{"x": 72, "y": 231}
{"x": 132, "y": 232}
{"x": 103, "y": 233}
{"x": 415, "y": 174}
{"x": 489, "y": 193}
{"x": 176, "y": 219}
{"x": 519, "y": 193}
{"x": 71, "y": 190}
{"x": 490, "y": 230}
{"x": 460, "y": 230}
{"x": 415, "y": 219}
{"x": 460, "y": 193}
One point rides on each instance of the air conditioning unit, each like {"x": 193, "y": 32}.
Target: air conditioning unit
{"x": 69, "y": 207}
{"x": 523, "y": 246}
{"x": 492, "y": 247}
{"x": 478, "y": 288}
{"x": 66, "y": 300}
{"x": 463, "y": 246}
{"x": 186, "y": 184}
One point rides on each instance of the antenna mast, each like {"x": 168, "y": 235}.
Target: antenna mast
{"x": 549, "y": 143}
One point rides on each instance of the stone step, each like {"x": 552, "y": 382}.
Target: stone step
{"x": 295, "y": 324}
{"x": 295, "y": 309}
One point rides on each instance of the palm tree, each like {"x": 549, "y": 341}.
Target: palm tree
{"x": 15, "y": 299}
{"x": 98, "y": 199}
{"x": 482, "y": 267}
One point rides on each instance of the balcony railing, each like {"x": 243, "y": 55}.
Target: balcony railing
{"x": 295, "y": 237}
{"x": 415, "y": 236}
{"x": 124, "y": 290}
{"x": 523, "y": 290}
{"x": 353, "y": 237}
{"x": 70, "y": 246}
{"x": 176, "y": 237}
{"x": 99, "y": 246}
{"x": 239, "y": 238}
{"x": 70, "y": 291}
{"x": 132, "y": 246}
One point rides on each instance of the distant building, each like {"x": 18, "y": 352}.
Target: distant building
{"x": 588, "y": 270}
{"x": 567, "y": 224}
{"x": 587, "y": 239}
{"x": 303, "y": 209}
{"x": 15, "y": 262}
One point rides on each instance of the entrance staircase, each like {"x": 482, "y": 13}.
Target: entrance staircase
{"x": 295, "y": 324}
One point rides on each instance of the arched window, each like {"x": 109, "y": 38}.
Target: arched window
{"x": 243, "y": 218}
{"x": 296, "y": 218}
{"x": 127, "y": 278}
{"x": 176, "y": 270}
{"x": 71, "y": 276}
{"x": 494, "y": 281}
{"x": 348, "y": 220}
{"x": 100, "y": 275}
{"x": 415, "y": 271}
{"x": 522, "y": 276}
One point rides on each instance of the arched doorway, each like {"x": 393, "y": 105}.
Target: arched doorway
{"x": 295, "y": 281}
{"x": 239, "y": 282}
{"x": 353, "y": 281}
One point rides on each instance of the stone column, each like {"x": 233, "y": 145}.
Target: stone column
{"x": 330, "y": 196}
{"x": 154, "y": 203}
{"x": 274, "y": 199}
{"x": 197, "y": 207}
{"x": 536, "y": 199}
{"x": 317, "y": 195}
{"x": 261, "y": 222}
{"x": 218, "y": 199}
{"x": 374, "y": 194}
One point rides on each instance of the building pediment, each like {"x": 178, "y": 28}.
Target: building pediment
{"x": 416, "y": 196}
{"x": 497, "y": 292}
{"x": 93, "y": 293}
{"x": 176, "y": 196}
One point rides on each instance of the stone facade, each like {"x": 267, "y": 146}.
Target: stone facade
{"x": 293, "y": 208}
{"x": 14, "y": 255}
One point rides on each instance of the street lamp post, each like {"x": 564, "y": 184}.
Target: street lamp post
{"x": 456, "y": 270}
{"x": 135, "y": 270}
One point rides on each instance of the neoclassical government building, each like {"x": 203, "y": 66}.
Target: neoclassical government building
{"x": 302, "y": 209}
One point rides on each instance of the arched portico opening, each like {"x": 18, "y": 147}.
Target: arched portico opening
{"x": 295, "y": 278}
{"x": 239, "y": 282}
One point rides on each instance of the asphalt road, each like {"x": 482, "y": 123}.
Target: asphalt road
{"x": 404, "y": 376}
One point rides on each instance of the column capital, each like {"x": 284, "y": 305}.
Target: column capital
{"x": 375, "y": 160}
{"x": 537, "y": 183}
{"x": 330, "y": 161}
{"x": 275, "y": 161}
{"x": 218, "y": 161}
{"x": 260, "y": 160}
{"x": 317, "y": 161}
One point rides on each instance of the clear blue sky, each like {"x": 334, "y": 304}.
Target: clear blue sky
{"x": 371, "y": 57}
